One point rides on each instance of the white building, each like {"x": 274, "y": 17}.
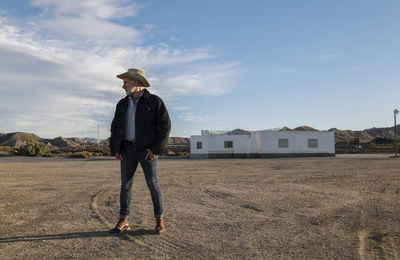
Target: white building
{"x": 263, "y": 144}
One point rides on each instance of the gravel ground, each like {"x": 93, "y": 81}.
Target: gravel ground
{"x": 346, "y": 207}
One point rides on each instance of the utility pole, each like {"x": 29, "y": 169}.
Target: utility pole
{"x": 395, "y": 112}
{"x": 98, "y": 135}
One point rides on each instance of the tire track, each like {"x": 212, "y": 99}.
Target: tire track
{"x": 376, "y": 241}
{"x": 95, "y": 208}
{"x": 377, "y": 246}
{"x": 229, "y": 198}
{"x": 362, "y": 235}
{"x": 395, "y": 249}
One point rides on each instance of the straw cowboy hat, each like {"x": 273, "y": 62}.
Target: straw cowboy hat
{"x": 135, "y": 74}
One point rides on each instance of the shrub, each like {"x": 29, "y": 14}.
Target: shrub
{"x": 34, "y": 148}
{"x": 106, "y": 153}
{"x": 171, "y": 153}
{"x": 6, "y": 148}
{"x": 80, "y": 155}
{"x": 63, "y": 155}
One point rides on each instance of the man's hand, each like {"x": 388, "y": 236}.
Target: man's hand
{"x": 118, "y": 156}
{"x": 150, "y": 155}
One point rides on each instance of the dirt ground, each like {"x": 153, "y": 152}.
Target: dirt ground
{"x": 346, "y": 207}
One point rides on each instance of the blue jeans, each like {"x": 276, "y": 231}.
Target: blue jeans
{"x": 130, "y": 159}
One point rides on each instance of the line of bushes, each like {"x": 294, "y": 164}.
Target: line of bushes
{"x": 82, "y": 154}
{"x": 39, "y": 149}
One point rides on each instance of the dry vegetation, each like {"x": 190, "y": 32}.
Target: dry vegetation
{"x": 346, "y": 207}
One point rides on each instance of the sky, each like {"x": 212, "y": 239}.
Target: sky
{"x": 217, "y": 64}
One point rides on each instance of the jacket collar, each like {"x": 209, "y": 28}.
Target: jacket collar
{"x": 145, "y": 94}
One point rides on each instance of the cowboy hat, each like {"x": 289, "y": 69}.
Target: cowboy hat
{"x": 135, "y": 74}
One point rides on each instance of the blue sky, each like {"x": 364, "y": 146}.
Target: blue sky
{"x": 218, "y": 65}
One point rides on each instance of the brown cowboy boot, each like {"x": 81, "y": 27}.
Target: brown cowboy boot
{"x": 160, "y": 225}
{"x": 122, "y": 225}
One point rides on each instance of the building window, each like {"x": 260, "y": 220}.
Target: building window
{"x": 228, "y": 144}
{"x": 199, "y": 145}
{"x": 312, "y": 143}
{"x": 283, "y": 143}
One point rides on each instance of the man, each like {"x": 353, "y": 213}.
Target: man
{"x": 139, "y": 132}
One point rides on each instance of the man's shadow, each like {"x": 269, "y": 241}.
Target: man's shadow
{"x": 29, "y": 238}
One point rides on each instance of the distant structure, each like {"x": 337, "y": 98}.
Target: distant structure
{"x": 262, "y": 144}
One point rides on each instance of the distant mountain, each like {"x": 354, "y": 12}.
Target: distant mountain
{"x": 384, "y": 132}
{"x": 238, "y": 131}
{"x": 344, "y": 136}
{"x": 61, "y": 142}
{"x": 76, "y": 140}
{"x": 285, "y": 128}
{"x": 364, "y": 136}
{"x": 90, "y": 140}
{"x": 300, "y": 128}
{"x": 178, "y": 141}
{"x": 16, "y": 139}
{"x": 305, "y": 128}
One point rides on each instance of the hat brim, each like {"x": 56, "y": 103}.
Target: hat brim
{"x": 134, "y": 76}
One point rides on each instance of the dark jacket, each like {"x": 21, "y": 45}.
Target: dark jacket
{"x": 152, "y": 124}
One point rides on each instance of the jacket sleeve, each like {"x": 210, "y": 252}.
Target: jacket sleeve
{"x": 112, "y": 148}
{"x": 163, "y": 128}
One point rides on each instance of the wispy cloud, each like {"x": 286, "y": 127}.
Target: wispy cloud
{"x": 89, "y": 20}
{"x": 51, "y": 86}
{"x": 178, "y": 108}
{"x": 326, "y": 55}
{"x": 187, "y": 116}
{"x": 92, "y": 29}
{"x": 102, "y": 9}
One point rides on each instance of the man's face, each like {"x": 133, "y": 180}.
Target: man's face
{"x": 132, "y": 86}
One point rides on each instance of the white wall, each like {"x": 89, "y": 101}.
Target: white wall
{"x": 264, "y": 142}
{"x": 193, "y": 144}
{"x": 215, "y": 143}
{"x": 298, "y": 141}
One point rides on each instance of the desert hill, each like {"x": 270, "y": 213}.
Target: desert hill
{"x": 16, "y": 139}
{"x": 344, "y": 136}
{"x": 341, "y": 136}
{"x": 63, "y": 142}
{"x": 300, "y": 128}
{"x": 238, "y": 131}
{"x": 178, "y": 141}
{"x": 90, "y": 140}
{"x": 383, "y": 132}
{"x": 305, "y": 128}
